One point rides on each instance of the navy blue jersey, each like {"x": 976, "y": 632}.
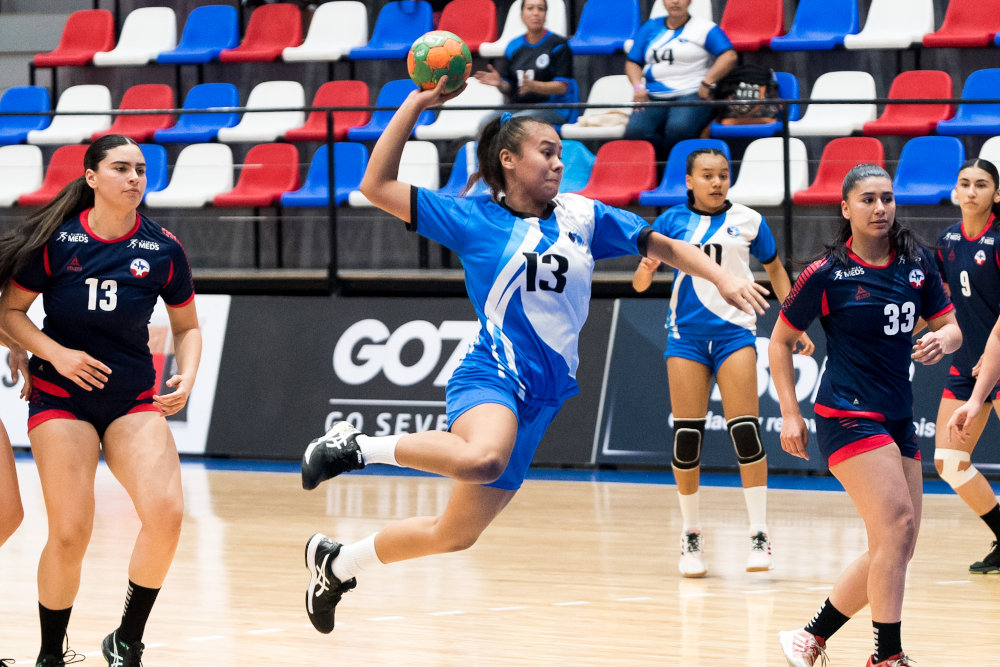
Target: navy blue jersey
{"x": 971, "y": 268}
{"x": 99, "y": 296}
{"x": 549, "y": 60}
{"x": 868, "y": 313}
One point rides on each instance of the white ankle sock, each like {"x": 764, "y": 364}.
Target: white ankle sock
{"x": 354, "y": 558}
{"x": 689, "y": 510}
{"x": 756, "y": 497}
{"x": 379, "y": 450}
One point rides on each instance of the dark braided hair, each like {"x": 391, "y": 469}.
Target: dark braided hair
{"x": 496, "y": 136}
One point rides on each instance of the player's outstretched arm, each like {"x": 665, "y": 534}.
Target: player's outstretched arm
{"x": 782, "y": 285}
{"x": 989, "y": 375}
{"x": 187, "y": 351}
{"x": 381, "y": 182}
{"x": 794, "y": 433}
{"x": 643, "y": 277}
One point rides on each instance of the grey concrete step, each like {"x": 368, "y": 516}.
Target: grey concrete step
{"x": 30, "y": 33}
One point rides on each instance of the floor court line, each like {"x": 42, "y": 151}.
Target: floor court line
{"x": 632, "y": 599}
{"x": 953, "y": 583}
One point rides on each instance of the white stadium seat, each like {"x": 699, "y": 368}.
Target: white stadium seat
{"x": 202, "y": 171}
{"x": 147, "y": 33}
{"x": 555, "y": 21}
{"x": 262, "y": 126}
{"x": 336, "y": 28}
{"x": 837, "y": 120}
{"x": 418, "y": 166}
{"x": 606, "y": 90}
{"x": 762, "y": 173}
{"x": 459, "y": 124}
{"x": 74, "y": 129}
{"x": 894, "y": 24}
{"x": 21, "y": 172}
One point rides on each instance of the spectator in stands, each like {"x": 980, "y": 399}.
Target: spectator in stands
{"x": 536, "y": 68}
{"x": 672, "y": 59}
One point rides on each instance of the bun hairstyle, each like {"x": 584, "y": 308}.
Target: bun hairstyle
{"x": 692, "y": 159}
{"x": 990, "y": 169}
{"x": 503, "y": 132}
{"x": 16, "y": 246}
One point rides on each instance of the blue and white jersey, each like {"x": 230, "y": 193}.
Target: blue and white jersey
{"x": 675, "y": 62}
{"x": 697, "y": 310}
{"x": 529, "y": 279}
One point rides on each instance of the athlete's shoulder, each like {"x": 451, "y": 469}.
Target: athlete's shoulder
{"x": 739, "y": 212}
{"x": 159, "y": 234}
{"x": 819, "y": 270}
{"x": 951, "y": 233}
{"x": 554, "y": 40}
{"x": 670, "y": 218}
{"x": 514, "y": 46}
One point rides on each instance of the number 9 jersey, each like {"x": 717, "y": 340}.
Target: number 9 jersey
{"x": 99, "y": 296}
{"x": 868, "y": 313}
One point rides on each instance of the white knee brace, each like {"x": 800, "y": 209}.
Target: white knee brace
{"x": 950, "y": 460}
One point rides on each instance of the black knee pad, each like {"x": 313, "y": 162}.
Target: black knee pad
{"x": 745, "y": 432}
{"x": 688, "y": 436}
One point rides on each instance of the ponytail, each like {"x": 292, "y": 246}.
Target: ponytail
{"x": 503, "y": 132}
{"x": 990, "y": 169}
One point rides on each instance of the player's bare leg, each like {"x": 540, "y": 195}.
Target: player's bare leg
{"x": 11, "y": 511}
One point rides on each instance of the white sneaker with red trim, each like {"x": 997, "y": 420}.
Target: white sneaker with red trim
{"x": 802, "y": 649}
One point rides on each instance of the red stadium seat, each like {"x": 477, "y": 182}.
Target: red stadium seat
{"x": 750, "y": 24}
{"x": 66, "y": 164}
{"x": 142, "y": 128}
{"x": 910, "y": 119}
{"x": 334, "y": 93}
{"x": 967, "y": 23}
{"x": 86, "y": 33}
{"x": 269, "y": 171}
{"x": 271, "y": 30}
{"x": 623, "y": 170}
{"x": 475, "y": 21}
{"x": 839, "y": 157}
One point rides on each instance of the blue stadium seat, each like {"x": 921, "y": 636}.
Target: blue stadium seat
{"x": 14, "y": 129}
{"x": 156, "y": 167}
{"x": 349, "y": 163}
{"x": 604, "y": 26}
{"x": 820, "y": 25}
{"x": 673, "y": 188}
{"x": 578, "y": 163}
{"x": 927, "y": 170}
{"x": 391, "y": 95}
{"x": 976, "y": 118}
{"x": 788, "y": 89}
{"x": 197, "y": 128}
{"x": 398, "y": 26}
{"x": 208, "y": 31}
{"x": 465, "y": 165}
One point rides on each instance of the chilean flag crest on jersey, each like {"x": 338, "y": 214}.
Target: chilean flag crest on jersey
{"x": 917, "y": 278}
{"x": 140, "y": 268}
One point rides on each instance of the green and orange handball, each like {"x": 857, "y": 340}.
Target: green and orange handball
{"x": 436, "y": 54}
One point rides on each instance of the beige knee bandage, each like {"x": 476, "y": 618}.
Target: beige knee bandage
{"x": 950, "y": 461}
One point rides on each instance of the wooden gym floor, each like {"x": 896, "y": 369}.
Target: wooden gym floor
{"x": 572, "y": 573}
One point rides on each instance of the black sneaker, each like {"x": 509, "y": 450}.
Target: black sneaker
{"x": 325, "y": 590}
{"x": 68, "y": 657}
{"x": 335, "y": 453}
{"x": 988, "y": 565}
{"x": 120, "y": 654}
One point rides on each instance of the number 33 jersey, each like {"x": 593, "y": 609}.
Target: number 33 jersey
{"x": 868, "y": 313}
{"x": 99, "y": 296}
{"x": 529, "y": 279}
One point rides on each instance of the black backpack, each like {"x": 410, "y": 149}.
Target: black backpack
{"x": 749, "y": 82}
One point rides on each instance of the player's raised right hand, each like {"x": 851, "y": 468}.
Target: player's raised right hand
{"x": 795, "y": 436}
{"x": 425, "y": 99}
{"x": 82, "y": 369}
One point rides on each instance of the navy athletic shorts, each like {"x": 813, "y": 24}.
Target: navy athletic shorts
{"x": 49, "y": 401}
{"x": 840, "y": 438}
{"x": 959, "y": 386}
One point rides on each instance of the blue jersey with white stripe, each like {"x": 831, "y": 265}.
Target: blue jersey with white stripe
{"x": 529, "y": 279}
{"x": 697, "y": 310}
{"x": 675, "y": 62}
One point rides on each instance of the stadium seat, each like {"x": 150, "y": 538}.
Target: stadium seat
{"x": 391, "y": 95}
{"x": 156, "y": 167}
{"x": 20, "y": 172}
{"x": 336, "y": 28}
{"x": 65, "y": 165}
{"x": 604, "y": 26}
{"x": 87, "y": 32}
{"x": 976, "y": 118}
{"x": 142, "y": 128}
{"x": 147, "y": 32}
{"x": 912, "y": 119}
{"x": 673, "y": 188}
{"x": 752, "y": 24}
{"x": 201, "y": 172}
{"x": 834, "y": 120}
{"x": 820, "y": 25}
{"x": 334, "y": 93}
{"x": 991, "y": 150}
{"x": 399, "y": 24}
{"x": 623, "y": 169}
{"x": 191, "y": 128}
{"x": 927, "y": 170}
{"x": 419, "y": 166}
{"x": 788, "y": 88}
{"x": 699, "y": 8}
{"x": 15, "y": 129}
{"x": 269, "y": 171}
{"x": 967, "y": 24}
{"x": 475, "y": 21}
{"x": 761, "y": 181}
{"x": 272, "y": 29}
{"x": 208, "y": 32}
{"x": 839, "y": 157}
{"x": 555, "y": 21}
{"x": 349, "y": 164}
{"x": 894, "y": 24}
{"x": 465, "y": 165}
{"x": 606, "y": 90}
{"x": 578, "y": 164}
{"x": 268, "y": 125}
{"x": 74, "y": 129}
{"x": 458, "y": 124}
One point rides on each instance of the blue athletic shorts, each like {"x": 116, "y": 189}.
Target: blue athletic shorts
{"x": 49, "y": 401}
{"x": 840, "y": 438}
{"x": 471, "y": 386}
{"x": 959, "y": 387}
{"x": 710, "y": 353}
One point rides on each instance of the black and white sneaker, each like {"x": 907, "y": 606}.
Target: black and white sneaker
{"x": 68, "y": 657}
{"x": 325, "y": 590}
{"x": 335, "y": 453}
{"x": 990, "y": 564}
{"x": 120, "y": 654}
